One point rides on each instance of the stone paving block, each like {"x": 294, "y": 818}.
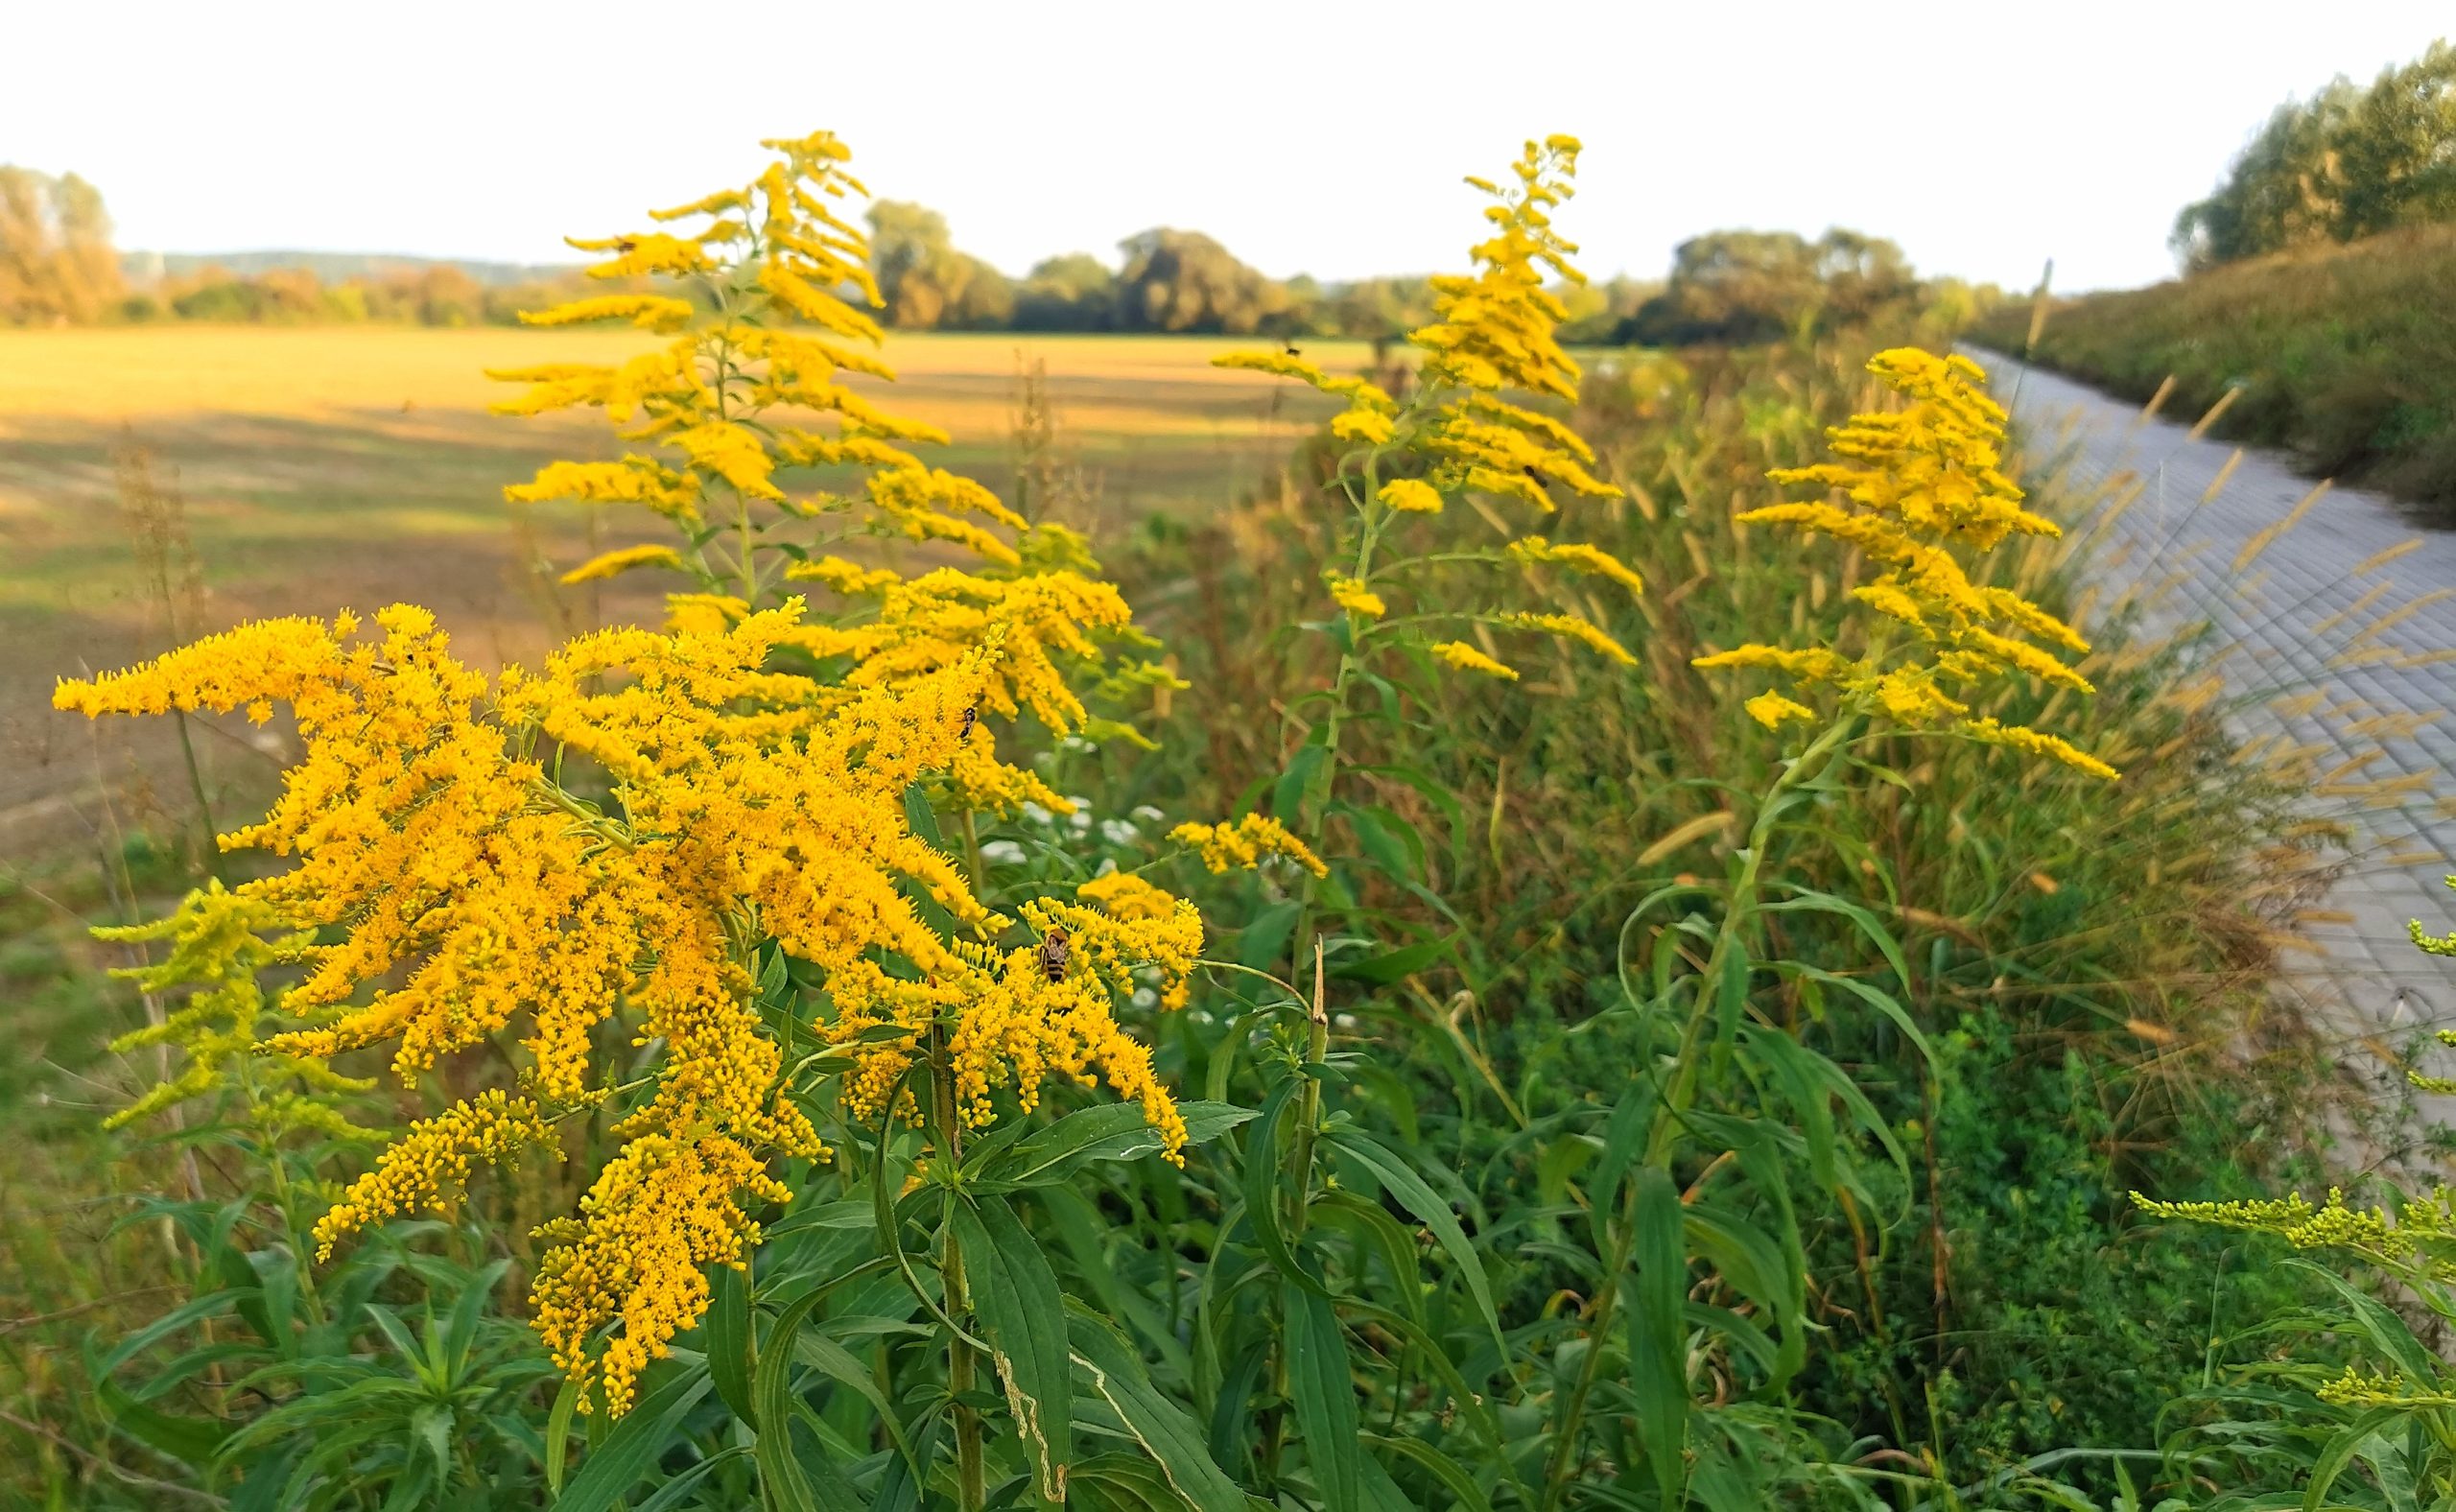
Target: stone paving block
{"x": 2307, "y": 609}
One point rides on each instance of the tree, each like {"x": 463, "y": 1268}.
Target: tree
{"x": 2346, "y": 163}
{"x": 1185, "y": 281}
{"x": 1072, "y": 293}
{"x": 1739, "y": 288}
{"x": 56, "y": 264}
{"x": 927, "y": 283}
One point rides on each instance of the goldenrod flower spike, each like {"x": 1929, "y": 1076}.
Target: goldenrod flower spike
{"x": 1466, "y": 658}
{"x": 769, "y": 331}
{"x": 1919, "y": 484}
{"x": 1243, "y": 844}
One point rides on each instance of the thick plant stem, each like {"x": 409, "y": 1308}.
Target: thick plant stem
{"x": 1300, "y": 1162}
{"x": 962, "y": 1365}
{"x": 1738, "y": 912}
{"x": 1666, "y": 1124}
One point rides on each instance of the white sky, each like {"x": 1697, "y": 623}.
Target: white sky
{"x": 1319, "y": 138}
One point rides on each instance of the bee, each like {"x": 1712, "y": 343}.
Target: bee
{"x": 1051, "y": 954}
{"x": 971, "y": 718}
{"x": 1294, "y": 350}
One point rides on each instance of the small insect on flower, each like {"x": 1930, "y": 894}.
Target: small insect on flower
{"x": 1051, "y": 954}
{"x": 971, "y": 718}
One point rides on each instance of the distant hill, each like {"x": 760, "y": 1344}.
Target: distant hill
{"x": 143, "y": 267}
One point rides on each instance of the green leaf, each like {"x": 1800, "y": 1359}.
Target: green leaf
{"x": 1163, "y": 1429}
{"x": 1263, "y": 941}
{"x": 677, "y": 1491}
{"x": 1390, "y": 966}
{"x": 1015, "y": 1295}
{"x": 1657, "y": 1361}
{"x": 1322, "y": 1385}
{"x": 1106, "y": 1131}
{"x": 2340, "y": 1452}
{"x": 781, "y": 1476}
{"x": 1451, "y": 1475}
{"x": 920, "y": 818}
{"x": 634, "y": 1444}
{"x": 1414, "y": 1193}
{"x": 558, "y": 1434}
{"x": 832, "y": 1359}
{"x": 189, "y": 1440}
{"x": 729, "y": 1342}
{"x": 1287, "y": 798}
{"x": 1261, "y": 1186}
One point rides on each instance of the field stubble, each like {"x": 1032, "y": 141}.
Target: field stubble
{"x": 358, "y": 466}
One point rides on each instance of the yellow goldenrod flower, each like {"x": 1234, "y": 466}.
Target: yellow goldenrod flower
{"x": 1128, "y": 896}
{"x": 1361, "y": 425}
{"x": 1772, "y": 710}
{"x": 1571, "y": 627}
{"x": 1411, "y": 496}
{"x": 425, "y": 1168}
{"x": 1242, "y": 844}
{"x": 465, "y": 892}
{"x": 1593, "y": 560}
{"x": 2358, "y": 1388}
{"x": 1354, "y": 596}
{"x": 648, "y": 312}
{"x": 610, "y": 564}
{"x": 1916, "y": 483}
{"x": 1359, "y": 393}
{"x": 1466, "y": 658}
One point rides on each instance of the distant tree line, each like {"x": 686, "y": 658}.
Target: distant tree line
{"x": 56, "y": 267}
{"x": 2346, "y": 163}
{"x": 1729, "y": 288}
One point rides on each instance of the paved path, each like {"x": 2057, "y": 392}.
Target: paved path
{"x": 2312, "y": 615}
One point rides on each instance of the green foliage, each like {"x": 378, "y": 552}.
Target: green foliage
{"x": 1746, "y": 287}
{"x": 1607, "y": 1161}
{"x": 56, "y": 260}
{"x": 928, "y": 285}
{"x": 1185, "y": 281}
{"x": 2344, "y": 164}
{"x": 2342, "y": 353}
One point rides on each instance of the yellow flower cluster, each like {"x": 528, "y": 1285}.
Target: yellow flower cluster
{"x": 470, "y": 891}
{"x": 1495, "y": 334}
{"x": 769, "y": 331}
{"x": 218, "y": 949}
{"x": 1354, "y": 597}
{"x": 1024, "y": 1013}
{"x": 2433, "y": 944}
{"x": 2423, "y": 1232}
{"x": 614, "y": 563}
{"x": 2360, "y": 1389}
{"x": 1466, "y": 658}
{"x": 1240, "y": 844}
{"x": 754, "y": 385}
{"x": 1053, "y": 629}
{"x": 1592, "y": 560}
{"x": 1919, "y": 481}
{"x": 425, "y": 1171}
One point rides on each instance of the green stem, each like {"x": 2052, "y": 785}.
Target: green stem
{"x": 204, "y": 804}
{"x": 962, "y": 1364}
{"x": 1737, "y": 914}
{"x": 1300, "y": 1161}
